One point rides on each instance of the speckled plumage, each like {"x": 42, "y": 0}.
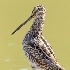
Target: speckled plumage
{"x": 37, "y": 50}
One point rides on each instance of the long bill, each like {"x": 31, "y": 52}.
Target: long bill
{"x": 22, "y": 24}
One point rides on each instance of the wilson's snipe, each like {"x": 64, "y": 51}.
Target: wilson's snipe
{"x": 36, "y": 48}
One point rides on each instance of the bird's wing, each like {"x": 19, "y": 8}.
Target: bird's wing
{"x": 41, "y": 53}
{"x": 48, "y": 47}
{"x": 42, "y": 49}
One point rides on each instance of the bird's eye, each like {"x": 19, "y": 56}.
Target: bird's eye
{"x": 38, "y": 8}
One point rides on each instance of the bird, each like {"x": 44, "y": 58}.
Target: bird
{"x": 37, "y": 50}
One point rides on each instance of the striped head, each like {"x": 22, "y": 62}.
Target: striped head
{"x": 39, "y": 12}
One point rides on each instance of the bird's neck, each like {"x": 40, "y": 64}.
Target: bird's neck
{"x": 37, "y": 27}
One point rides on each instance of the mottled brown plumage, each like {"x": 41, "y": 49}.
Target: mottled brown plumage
{"x": 37, "y": 50}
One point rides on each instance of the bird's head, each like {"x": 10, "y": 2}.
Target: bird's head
{"x": 39, "y": 12}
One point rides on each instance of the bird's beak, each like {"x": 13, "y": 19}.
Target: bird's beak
{"x": 22, "y": 24}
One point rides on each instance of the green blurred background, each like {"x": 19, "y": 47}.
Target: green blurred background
{"x": 56, "y": 31}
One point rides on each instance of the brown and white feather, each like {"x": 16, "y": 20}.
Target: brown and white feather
{"x": 37, "y": 50}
